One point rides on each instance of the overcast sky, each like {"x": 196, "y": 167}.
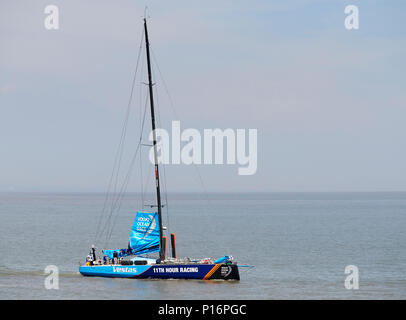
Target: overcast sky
{"x": 329, "y": 104}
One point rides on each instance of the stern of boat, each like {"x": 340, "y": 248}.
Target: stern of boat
{"x": 223, "y": 272}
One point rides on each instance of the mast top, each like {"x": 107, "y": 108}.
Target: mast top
{"x": 145, "y": 13}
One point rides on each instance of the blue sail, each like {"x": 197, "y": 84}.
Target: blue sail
{"x": 144, "y": 235}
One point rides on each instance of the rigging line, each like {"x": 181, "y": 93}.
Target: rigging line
{"x": 142, "y": 120}
{"x": 147, "y": 183}
{"x": 116, "y": 196}
{"x": 117, "y": 204}
{"x": 162, "y": 151}
{"x": 202, "y": 183}
{"x": 116, "y": 170}
{"x": 141, "y": 177}
{"x": 120, "y": 143}
{"x": 117, "y": 166}
{"x": 141, "y": 137}
{"x": 173, "y": 108}
{"x": 118, "y": 158}
{"x": 110, "y": 232}
{"x": 124, "y": 137}
{"x": 166, "y": 199}
{"x": 115, "y": 175}
{"x": 141, "y": 182}
{"x": 164, "y": 83}
{"x": 150, "y": 172}
{"x": 122, "y": 192}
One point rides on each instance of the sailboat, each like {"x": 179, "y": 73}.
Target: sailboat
{"x": 146, "y": 237}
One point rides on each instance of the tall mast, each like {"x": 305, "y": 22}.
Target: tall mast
{"x": 158, "y": 190}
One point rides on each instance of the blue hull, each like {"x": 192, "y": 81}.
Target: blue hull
{"x": 162, "y": 271}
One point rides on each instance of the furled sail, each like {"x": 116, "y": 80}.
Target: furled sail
{"x": 144, "y": 235}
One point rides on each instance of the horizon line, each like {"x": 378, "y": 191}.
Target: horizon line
{"x": 200, "y": 192}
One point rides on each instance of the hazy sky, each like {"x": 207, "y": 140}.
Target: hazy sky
{"x": 329, "y": 104}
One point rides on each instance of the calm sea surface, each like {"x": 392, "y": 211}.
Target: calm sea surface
{"x": 299, "y": 243}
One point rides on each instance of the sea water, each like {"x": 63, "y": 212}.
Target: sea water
{"x": 299, "y": 243}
